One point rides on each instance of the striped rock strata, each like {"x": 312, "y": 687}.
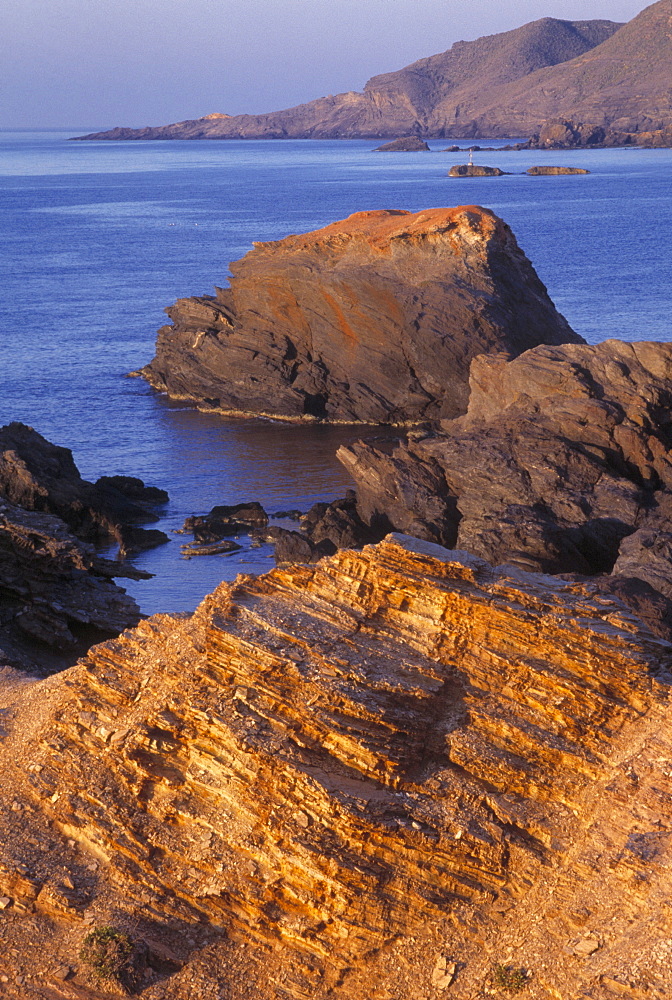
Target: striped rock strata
{"x": 374, "y": 318}
{"x": 379, "y": 776}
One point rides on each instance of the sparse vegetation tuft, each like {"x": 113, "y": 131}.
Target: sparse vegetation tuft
{"x": 106, "y": 952}
{"x": 511, "y": 980}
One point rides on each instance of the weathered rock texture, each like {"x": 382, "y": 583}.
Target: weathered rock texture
{"x": 57, "y": 597}
{"x": 375, "y": 318}
{"x": 563, "y": 453}
{"x": 41, "y": 476}
{"x": 616, "y": 77}
{"x": 359, "y": 774}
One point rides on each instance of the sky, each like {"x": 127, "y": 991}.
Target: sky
{"x": 100, "y": 63}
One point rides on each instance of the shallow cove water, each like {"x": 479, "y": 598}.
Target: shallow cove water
{"x": 99, "y": 237}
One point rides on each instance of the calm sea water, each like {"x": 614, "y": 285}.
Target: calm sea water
{"x": 97, "y": 238}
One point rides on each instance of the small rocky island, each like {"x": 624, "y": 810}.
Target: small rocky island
{"x": 474, "y": 170}
{"x": 411, "y": 144}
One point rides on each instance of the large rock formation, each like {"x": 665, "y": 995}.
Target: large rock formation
{"x": 501, "y": 85}
{"x": 393, "y": 772}
{"x": 563, "y": 453}
{"x": 375, "y": 318}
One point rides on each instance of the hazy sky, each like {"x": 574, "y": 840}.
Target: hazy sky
{"x": 100, "y": 63}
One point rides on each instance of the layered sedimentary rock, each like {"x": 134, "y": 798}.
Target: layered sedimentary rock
{"x": 375, "y": 318}
{"x": 613, "y": 76}
{"x": 41, "y": 476}
{"x": 360, "y": 779}
{"x": 563, "y": 453}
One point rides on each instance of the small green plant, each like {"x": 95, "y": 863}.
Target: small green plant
{"x": 106, "y": 952}
{"x": 505, "y": 977}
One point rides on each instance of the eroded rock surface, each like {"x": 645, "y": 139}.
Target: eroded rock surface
{"x": 353, "y": 780}
{"x": 375, "y": 318}
{"x": 563, "y": 453}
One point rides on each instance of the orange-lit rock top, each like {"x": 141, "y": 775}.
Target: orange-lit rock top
{"x": 341, "y": 773}
{"x": 374, "y": 318}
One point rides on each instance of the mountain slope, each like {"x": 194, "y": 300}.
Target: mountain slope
{"x": 498, "y": 85}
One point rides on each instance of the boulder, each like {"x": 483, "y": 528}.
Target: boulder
{"x": 226, "y": 519}
{"x": 375, "y": 319}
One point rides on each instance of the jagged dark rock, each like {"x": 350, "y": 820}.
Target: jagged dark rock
{"x": 325, "y": 528}
{"x": 40, "y": 476}
{"x": 57, "y": 597}
{"x": 226, "y": 519}
{"x": 372, "y": 319}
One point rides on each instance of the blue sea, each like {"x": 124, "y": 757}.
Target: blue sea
{"x": 97, "y": 238}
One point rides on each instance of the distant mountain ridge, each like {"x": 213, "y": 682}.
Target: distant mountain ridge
{"x": 611, "y": 74}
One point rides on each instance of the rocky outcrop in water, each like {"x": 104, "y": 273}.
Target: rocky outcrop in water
{"x": 562, "y": 454}
{"x": 474, "y": 170}
{"x": 375, "y": 318}
{"x": 544, "y": 171}
{"x": 411, "y": 144}
{"x": 41, "y": 476}
{"x": 562, "y": 133}
{"x": 396, "y": 769}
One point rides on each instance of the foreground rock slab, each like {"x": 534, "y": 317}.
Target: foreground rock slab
{"x": 374, "y": 319}
{"x": 356, "y": 779}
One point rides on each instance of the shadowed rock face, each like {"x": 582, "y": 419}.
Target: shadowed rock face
{"x": 57, "y": 597}
{"x": 375, "y": 318}
{"x": 41, "y": 476}
{"x": 350, "y": 772}
{"x": 563, "y": 453}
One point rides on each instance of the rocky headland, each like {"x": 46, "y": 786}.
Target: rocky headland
{"x": 375, "y": 318}
{"x": 614, "y": 75}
